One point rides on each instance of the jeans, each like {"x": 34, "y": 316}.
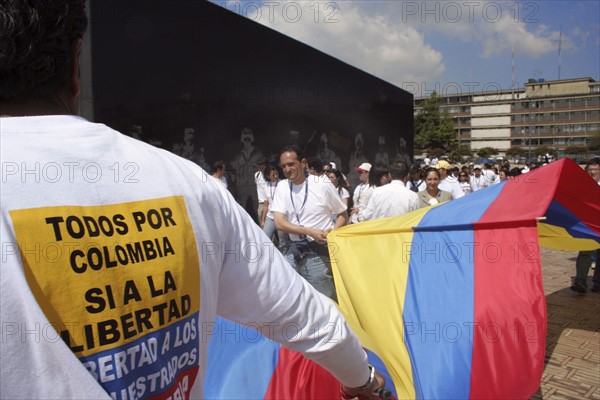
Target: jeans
{"x": 312, "y": 262}
{"x": 582, "y": 267}
{"x": 269, "y": 230}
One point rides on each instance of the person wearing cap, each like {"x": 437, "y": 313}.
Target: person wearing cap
{"x": 362, "y": 193}
{"x": 103, "y": 329}
{"x": 448, "y": 183}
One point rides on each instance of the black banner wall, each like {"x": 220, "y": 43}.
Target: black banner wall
{"x": 208, "y": 84}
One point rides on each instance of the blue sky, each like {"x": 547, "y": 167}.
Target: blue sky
{"x": 444, "y": 45}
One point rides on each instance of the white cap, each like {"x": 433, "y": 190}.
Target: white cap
{"x": 364, "y": 167}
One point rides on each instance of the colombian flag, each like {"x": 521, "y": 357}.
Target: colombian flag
{"x": 451, "y": 297}
{"x": 448, "y": 300}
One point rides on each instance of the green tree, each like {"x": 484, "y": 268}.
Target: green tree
{"x": 487, "y": 152}
{"x": 434, "y": 127}
{"x": 543, "y": 150}
{"x": 462, "y": 152}
{"x": 515, "y": 152}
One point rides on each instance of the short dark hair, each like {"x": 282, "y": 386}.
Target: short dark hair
{"x": 316, "y": 164}
{"x": 293, "y": 149}
{"x": 35, "y": 45}
{"x": 268, "y": 170}
{"x": 399, "y": 171}
{"x": 592, "y": 161}
{"x": 434, "y": 170}
{"x": 375, "y": 175}
{"x": 217, "y": 165}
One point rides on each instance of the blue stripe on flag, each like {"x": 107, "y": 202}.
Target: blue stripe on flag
{"x": 240, "y": 362}
{"x": 439, "y": 307}
{"x": 559, "y": 215}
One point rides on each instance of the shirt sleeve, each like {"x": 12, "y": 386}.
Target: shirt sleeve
{"x": 334, "y": 200}
{"x": 369, "y": 211}
{"x": 266, "y": 293}
{"x": 279, "y": 199}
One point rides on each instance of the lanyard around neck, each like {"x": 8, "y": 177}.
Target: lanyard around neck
{"x": 298, "y": 214}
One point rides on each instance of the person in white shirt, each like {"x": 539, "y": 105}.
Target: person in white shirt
{"x": 267, "y": 221}
{"x": 140, "y": 262}
{"x": 362, "y": 193}
{"x": 339, "y": 183}
{"x": 302, "y": 207}
{"x": 416, "y": 180}
{"x": 218, "y": 172}
{"x": 448, "y": 183}
{"x": 464, "y": 182}
{"x": 393, "y": 199}
{"x": 260, "y": 181}
{"x": 478, "y": 181}
{"x": 490, "y": 176}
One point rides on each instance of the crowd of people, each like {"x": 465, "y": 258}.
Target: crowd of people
{"x": 315, "y": 198}
{"x": 385, "y": 191}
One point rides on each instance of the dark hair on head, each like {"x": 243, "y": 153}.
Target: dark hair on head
{"x": 217, "y": 165}
{"x": 35, "y": 45}
{"x": 515, "y": 171}
{"x": 375, "y": 176}
{"x": 592, "y": 161}
{"x": 316, "y": 164}
{"x": 268, "y": 170}
{"x": 399, "y": 171}
{"x": 341, "y": 182}
{"x": 435, "y": 170}
{"x": 293, "y": 149}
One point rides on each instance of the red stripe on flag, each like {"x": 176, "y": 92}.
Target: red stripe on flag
{"x": 510, "y": 314}
{"x": 296, "y": 377}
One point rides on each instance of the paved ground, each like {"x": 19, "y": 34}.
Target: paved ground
{"x": 572, "y": 368}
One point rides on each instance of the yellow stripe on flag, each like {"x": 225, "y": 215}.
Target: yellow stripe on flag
{"x": 371, "y": 288}
{"x": 557, "y": 237}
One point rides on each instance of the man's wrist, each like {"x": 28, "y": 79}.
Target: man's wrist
{"x": 349, "y": 393}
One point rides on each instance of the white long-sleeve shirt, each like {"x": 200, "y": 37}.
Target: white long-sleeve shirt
{"x": 391, "y": 200}
{"x": 114, "y": 249}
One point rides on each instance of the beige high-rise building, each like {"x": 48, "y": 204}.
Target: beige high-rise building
{"x": 556, "y": 114}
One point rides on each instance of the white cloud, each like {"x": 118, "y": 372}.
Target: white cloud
{"x": 493, "y": 27}
{"x": 396, "y": 53}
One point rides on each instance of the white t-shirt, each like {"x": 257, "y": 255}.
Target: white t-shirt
{"x": 268, "y": 192}
{"x": 259, "y": 179}
{"x": 490, "y": 177}
{"x": 127, "y": 252}
{"x": 345, "y": 194}
{"x": 312, "y": 209}
{"x": 478, "y": 182}
{"x": 391, "y": 200}
{"x": 450, "y": 184}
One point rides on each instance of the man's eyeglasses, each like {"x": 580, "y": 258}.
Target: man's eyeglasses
{"x": 363, "y": 172}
